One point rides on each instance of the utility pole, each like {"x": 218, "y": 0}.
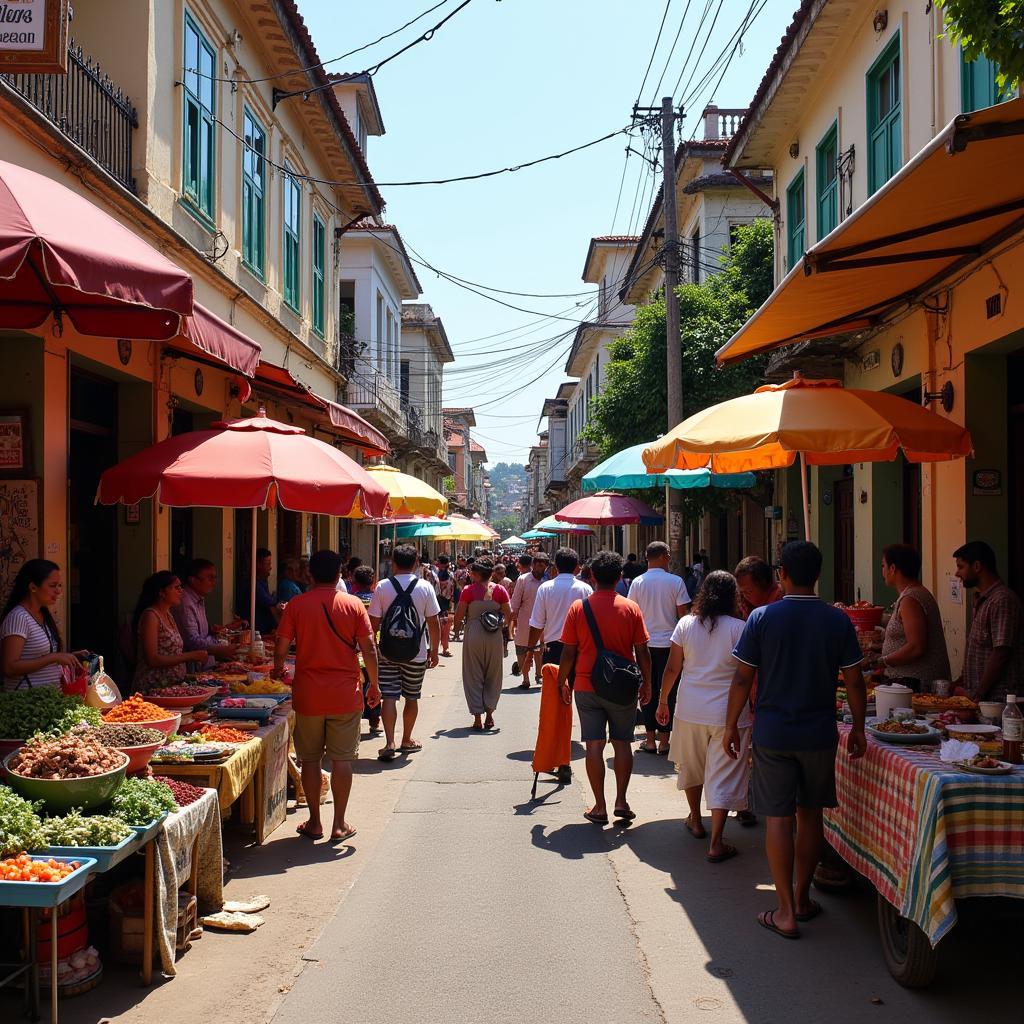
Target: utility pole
{"x": 673, "y": 353}
{"x": 669, "y": 259}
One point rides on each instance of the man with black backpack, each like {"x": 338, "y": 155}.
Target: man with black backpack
{"x": 404, "y": 609}
{"x": 604, "y": 639}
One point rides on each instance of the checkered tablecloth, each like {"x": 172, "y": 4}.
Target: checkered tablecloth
{"x": 926, "y": 834}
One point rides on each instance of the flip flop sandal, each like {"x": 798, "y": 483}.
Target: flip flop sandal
{"x": 625, "y": 815}
{"x": 702, "y": 834}
{"x": 344, "y": 837}
{"x": 766, "y": 919}
{"x": 306, "y": 834}
{"x": 644, "y": 749}
{"x": 387, "y": 754}
{"x": 727, "y": 854}
{"x": 663, "y": 753}
{"x": 810, "y": 915}
{"x": 597, "y": 819}
{"x": 410, "y": 748}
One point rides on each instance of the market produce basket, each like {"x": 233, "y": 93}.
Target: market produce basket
{"x": 47, "y": 894}
{"x": 146, "y": 832}
{"x": 63, "y": 794}
{"x": 104, "y": 856}
{"x": 865, "y": 619}
{"x": 185, "y": 702}
{"x": 139, "y": 757}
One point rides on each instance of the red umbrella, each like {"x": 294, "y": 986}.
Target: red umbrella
{"x": 248, "y": 463}
{"x": 60, "y": 254}
{"x": 606, "y": 508}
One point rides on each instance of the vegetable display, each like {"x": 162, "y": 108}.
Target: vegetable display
{"x": 20, "y": 827}
{"x": 136, "y": 709}
{"x": 78, "y": 829}
{"x": 184, "y": 792}
{"x": 42, "y": 709}
{"x": 24, "y": 869}
{"x": 260, "y": 686}
{"x": 74, "y": 756}
{"x": 126, "y": 735}
{"x": 182, "y": 690}
{"x": 140, "y": 801}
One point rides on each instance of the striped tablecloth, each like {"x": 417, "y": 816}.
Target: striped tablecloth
{"x": 926, "y": 834}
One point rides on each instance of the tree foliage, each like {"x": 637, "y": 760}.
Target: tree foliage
{"x": 992, "y": 29}
{"x": 633, "y": 405}
{"x": 506, "y": 525}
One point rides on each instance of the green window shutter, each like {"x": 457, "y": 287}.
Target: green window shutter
{"x": 978, "y": 85}
{"x": 292, "y": 239}
{"x": 885, "y": 116}
{"x": 254, "y": 172}
{"x": 319, "y": 259}
{"x": 199, "y": 143}
{"x": 827, "y": 181}
{"x": 796, "y": 221}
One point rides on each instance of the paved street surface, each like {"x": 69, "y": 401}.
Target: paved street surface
{"x": 461, "y": 901}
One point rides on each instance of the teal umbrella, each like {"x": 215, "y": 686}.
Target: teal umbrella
{"x": 538, "y": 535}
{"x": 625, "y": 470}
{"x": 551, "y": 525}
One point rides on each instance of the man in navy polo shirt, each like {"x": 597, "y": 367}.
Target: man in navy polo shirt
{"x": 797, "y": 647}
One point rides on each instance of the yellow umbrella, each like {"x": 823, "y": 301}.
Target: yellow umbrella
{"x": 819, "y": 420}
{"x": 409, "y": 495}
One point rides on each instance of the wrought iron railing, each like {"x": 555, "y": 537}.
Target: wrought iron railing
{"x": 88, "y": 108}
{"x": 373, "y": 390}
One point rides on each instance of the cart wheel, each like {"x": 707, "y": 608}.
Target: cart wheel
{"x": 908, "y": 953}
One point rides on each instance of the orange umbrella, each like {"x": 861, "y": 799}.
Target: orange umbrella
{"x": 819, "y": 420}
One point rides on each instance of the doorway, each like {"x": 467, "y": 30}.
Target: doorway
{"x": 92, "y": 529}
{"x": 844, "y": 534}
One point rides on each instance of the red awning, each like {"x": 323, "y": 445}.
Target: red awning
{"x": 217, "y": 338}
{"x": 349, "y": 426}
{"x": 355, "y": 429}
{"x": 62, "y": 255}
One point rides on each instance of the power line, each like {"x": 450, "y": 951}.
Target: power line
{"x": 650, "y": 63}
{"x": 668, "y": 59}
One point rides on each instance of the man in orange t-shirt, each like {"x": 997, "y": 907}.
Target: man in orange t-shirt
{"x": 621, "y": 626}
{"x": 329, "y": 629}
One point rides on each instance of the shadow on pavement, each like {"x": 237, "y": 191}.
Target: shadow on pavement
{"x": 573, "y": 842}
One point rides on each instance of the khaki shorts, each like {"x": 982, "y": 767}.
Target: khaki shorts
{"x": 336, "y": 736}
{"x": 696, "y": 750}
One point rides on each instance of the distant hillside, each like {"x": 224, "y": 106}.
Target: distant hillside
{"x": 508, "y": 488}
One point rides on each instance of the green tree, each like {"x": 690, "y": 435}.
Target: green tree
{"x": 992, "y": 29}
{"x": 633, "y": 405}
{"x": 506, "y": 525}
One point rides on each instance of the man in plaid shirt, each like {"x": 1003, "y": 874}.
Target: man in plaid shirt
{"x": 994, "y": 661}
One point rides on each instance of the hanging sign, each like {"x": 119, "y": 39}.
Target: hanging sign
{"x": 34, "y": 36}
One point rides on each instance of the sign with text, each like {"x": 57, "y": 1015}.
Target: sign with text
{"x": 274, "y": 766}
{"x": 34, "y": 36}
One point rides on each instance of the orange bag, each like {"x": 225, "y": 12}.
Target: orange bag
{"x": 554, "y": 728}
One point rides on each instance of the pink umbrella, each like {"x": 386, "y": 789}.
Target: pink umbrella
{"x": 606, "y": 508}
{"x": 248, "y": 463}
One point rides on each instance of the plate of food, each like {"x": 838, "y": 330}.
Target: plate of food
{"x": 974, "y": 731}
{"x": 892, "y": 731}
{"x": 985, "y": 764}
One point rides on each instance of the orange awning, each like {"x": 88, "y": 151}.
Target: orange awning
{"x": 960, "y": 197}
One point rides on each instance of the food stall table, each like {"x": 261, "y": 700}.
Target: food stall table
{"x": 188, "y": 847}
{"x": 925, "y": 834}
{"x": 233, "y": 778}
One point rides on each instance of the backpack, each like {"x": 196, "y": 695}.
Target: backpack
{"x": 615, "y": 679}
{"x": 401, "y": 629}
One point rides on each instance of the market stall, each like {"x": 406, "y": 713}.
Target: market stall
{"x": 925, "y": 834}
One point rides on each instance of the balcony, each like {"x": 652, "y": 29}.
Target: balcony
{"x": 88, "y": 108}
{"x": 375, "y": 397}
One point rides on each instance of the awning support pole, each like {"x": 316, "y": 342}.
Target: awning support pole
{"x": 252, "y": 586}
{"x": 803, "y": 493}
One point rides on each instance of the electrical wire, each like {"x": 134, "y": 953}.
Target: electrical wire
{"x": 654, "y": 51}
{"x": 668, "y": 59}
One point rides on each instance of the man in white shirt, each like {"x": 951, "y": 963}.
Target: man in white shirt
{"x": 550, "y": 607}
{"x": 663, "y": 601}
{"x": 405, "y": 679}
{"x": 531, "y": 579}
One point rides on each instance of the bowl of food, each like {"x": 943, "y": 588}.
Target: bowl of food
{"x": 865, "y": 616}
{"x": 136, "y": 710}
{"x": 75, "y": 770}
{"x": 892, "y": 731}
{"x": 185, "y": 697}
{"x": 984, "y": 764}
{"x": 135, "y": 742}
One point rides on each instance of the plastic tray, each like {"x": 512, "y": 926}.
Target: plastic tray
{"x": 252, "y": 714}
{"x": 47, "y": 894}
{"x": 105, "y": 856}
{"x": 146, "y": 832}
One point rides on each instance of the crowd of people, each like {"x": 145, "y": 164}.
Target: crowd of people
{"x": 729, "y": 675}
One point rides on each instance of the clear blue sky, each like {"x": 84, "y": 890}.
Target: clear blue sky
{"x": 506, "y": 82}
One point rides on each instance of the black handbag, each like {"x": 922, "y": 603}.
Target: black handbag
{"x": 491, "y": 621}
{"x": 615, "y": 679}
